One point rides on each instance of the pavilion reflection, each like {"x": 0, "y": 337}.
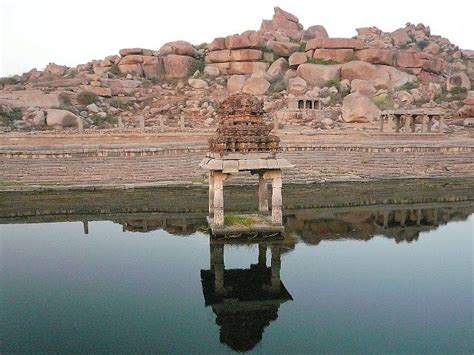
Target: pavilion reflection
{"x": 245, "y": 301}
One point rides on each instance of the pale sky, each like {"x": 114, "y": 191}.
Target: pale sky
{"x": 70, "y": 32}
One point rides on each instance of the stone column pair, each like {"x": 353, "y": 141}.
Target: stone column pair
{"x": 217, "y": 265}
{"x": 216, "y": 195}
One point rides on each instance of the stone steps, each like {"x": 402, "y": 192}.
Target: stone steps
{"x": 182, "y": 167}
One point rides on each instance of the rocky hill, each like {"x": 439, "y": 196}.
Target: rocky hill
{"x": 180, "y": 84}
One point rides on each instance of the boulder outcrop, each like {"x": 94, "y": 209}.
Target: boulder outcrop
{"x": 317, "y": 74}
{"x": 177, "y": 66}
{"x": 358, "y": 108}
{"x": 59, "y": 119}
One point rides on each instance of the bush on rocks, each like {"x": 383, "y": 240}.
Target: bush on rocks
{"x": 9, "y": 114}
{"x": 197, "y": 65}
{"x": 104, "y": 121}
{"x": 87, "y": 98}
{"x": 117, "y": 103}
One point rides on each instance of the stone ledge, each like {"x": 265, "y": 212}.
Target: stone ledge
{"x": 39, "y": 153}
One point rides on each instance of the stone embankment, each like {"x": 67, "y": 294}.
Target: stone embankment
{"x": 325, "y": 158}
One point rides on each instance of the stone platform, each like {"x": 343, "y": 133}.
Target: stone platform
{"x": 262, "y": 230}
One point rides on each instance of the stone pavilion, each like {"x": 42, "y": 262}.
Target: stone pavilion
{"x": 243, "y": 143}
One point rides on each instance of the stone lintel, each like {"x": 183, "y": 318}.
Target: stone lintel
{"x": 418, "y": 111}
{"x": 234, "y": 166}
{"x": 230, "y": 166}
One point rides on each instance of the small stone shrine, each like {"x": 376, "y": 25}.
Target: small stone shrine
{"x": 243, "y": 143}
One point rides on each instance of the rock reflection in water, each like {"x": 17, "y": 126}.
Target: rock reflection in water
{"x": 398, "y": 223}
{"x": 245, "y": 301}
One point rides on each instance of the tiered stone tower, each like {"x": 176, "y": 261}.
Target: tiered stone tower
{"x": 242, "y": 128}
{"x": 243, "y": 143}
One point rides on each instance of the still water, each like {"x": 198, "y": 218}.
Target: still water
{"x": 372, "y": 277}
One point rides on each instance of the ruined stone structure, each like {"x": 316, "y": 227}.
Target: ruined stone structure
{"x": 409, "y": 119}
{"x": 304, "y": 103}
{"x": 243, "y": 143}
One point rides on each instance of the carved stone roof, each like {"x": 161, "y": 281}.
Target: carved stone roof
{"x": 241, "y": 128}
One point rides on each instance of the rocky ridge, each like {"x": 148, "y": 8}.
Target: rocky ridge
{"x": 179, "y": 85}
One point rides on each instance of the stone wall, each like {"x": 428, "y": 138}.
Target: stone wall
{"x": 117, "y": 166}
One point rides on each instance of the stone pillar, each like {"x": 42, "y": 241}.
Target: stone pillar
{"x": 424, "y": 124}
{"x": 262, "y": 193}
{"x": 80, "y": 124}
{"x": 276, "y": 267}
{"x": 120, "y": 122}
{"x": 211, "y": 194}
{"x": 397, "y": 123}
{"x": 418, "y": 217}
{"x": 214, "y": 255}
{"x": 142, "y": 123}
{"x": 219, "y": 198}
{"x": 181, "y": 122}
{"x": 217, "y": 260}
{"x": 382, "y": 118}
{"x": 385, "y": 219}
{"x": 275, "y": 175}
{"x": 428, "y": 126}
{"x": 403, "y": 217}
{"x": 413, "y": 123}
{"x": 275, "y": 123}
{"x": 441, "y": 124}
{"x": 407, "y": 123}
{"x": 162, "y": 124}
{"x": 262, "y": 255}
{"x": 85, "y": 225}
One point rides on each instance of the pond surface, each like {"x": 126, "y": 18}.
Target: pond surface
{"x": 370, "y": 277}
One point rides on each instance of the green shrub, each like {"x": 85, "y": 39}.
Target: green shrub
{"x": 322, "y": 61}
{"x": 333, "y": 82}
{"x": 233, "y": 219}
{"x": 408, "y": 86}
{"x": 439, "y": 98}
{"x": 422, "y": 44}
{"x": 277, "y": 86}
{"x": 146, "y": 83}
{"x": 458, "y": 90}
{"x": 198, "y": 64}
{"x": 115, "y": 69}
{"x": 8, "y": 80}
{"x": 203, "y": 45}
{"x": 117, "y": 103}
{"x": 64, "y": 99}
{"x": 345, "y": 91}
{"x": 87, "y": 98}
{"x": 383, "y": 102}
{"x": 403, "y": 46}
{"x": 458, "y": 93}
{"x": 102, "y": 122}
{"x": 421, "y": 102}
{"x": 9, "y": 114}
{"x": 302, "y": 47}
{"x": 265, "y": 49}
{"x": 71, "y": 73}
